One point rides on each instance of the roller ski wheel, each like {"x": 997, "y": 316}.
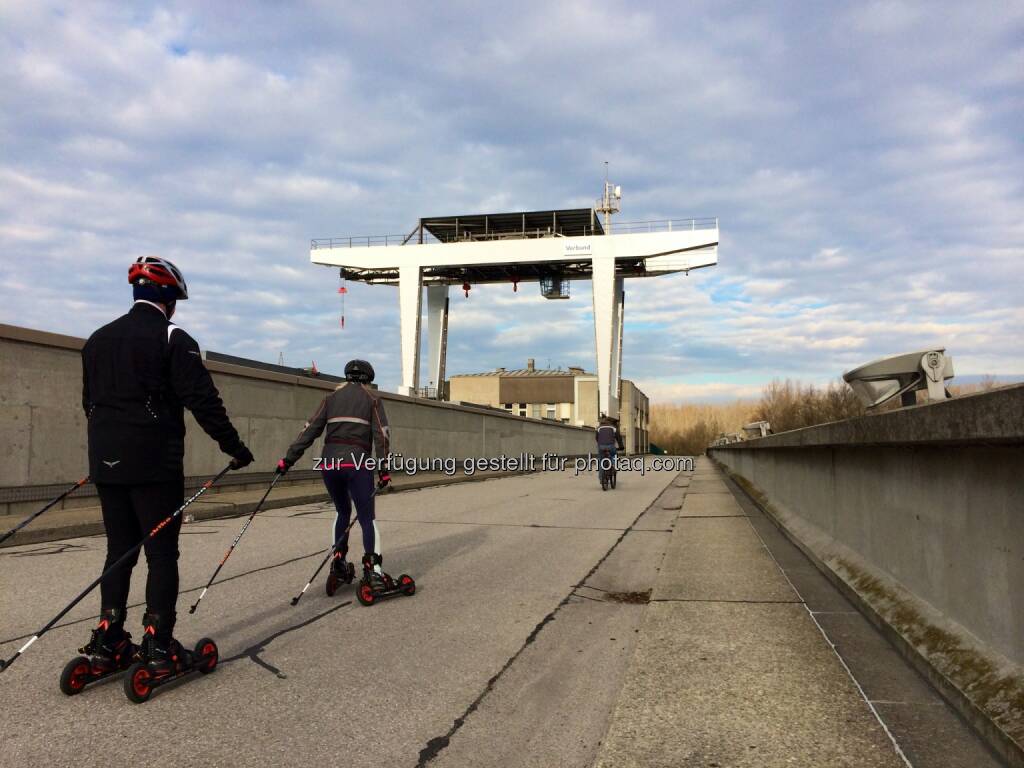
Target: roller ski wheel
{"x": 407, "y": 585}
{"x": 138, "y": 685}
{"x": 77, "y": 674}
{"x": 144, "y": 677}
{"x": 366, "y": 594}
{"x": 206, "y": 655}
{"x": 614, "y": 479}
{"x": 340, "y": 574}
{"x": 373, "y": 590}
{"x": 96, "y": 663}
{"x": 377, "y": 585}
{"x": 83, "y": 670}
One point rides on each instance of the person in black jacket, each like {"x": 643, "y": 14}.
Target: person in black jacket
{"x": 139, "y": 373}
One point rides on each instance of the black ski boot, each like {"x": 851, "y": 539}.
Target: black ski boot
{"x": 158, "y": 649}
{"x": 162, "y": 659}
{"x": 376, "y": 584}
{"x": 342, "y": 572}
{"x": 109, "y": 650}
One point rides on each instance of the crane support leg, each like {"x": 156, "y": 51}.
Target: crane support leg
{"x": 607, "y": 299}
{"x": 410, "y": 292}
{"x": 616, "y": 383}
{"x": 437, "y": 334}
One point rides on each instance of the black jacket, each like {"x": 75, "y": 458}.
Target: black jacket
{"x": 354, "y": 418}
{"x": 139, "y": 373}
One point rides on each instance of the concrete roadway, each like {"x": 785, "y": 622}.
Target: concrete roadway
{"x": 333, "y": 683}
{"x": 528, "y": 644}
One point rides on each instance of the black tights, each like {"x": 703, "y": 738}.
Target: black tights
{"x": 129, "y": 513}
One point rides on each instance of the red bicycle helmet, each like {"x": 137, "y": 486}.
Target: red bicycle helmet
{"x": 153, "y": 269}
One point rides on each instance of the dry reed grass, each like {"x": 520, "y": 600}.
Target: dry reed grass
{"x": 686, "y": 429}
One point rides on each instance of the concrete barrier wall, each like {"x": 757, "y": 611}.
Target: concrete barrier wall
{"x": 920, "y": 512}
{"x": 43, "y": 429}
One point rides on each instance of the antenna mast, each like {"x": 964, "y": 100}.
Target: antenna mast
{"x": 609, "y": 202}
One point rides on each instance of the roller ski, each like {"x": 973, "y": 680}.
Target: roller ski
{"x": 377, "y": 585}
{"x": 163, "y": 660}
{"x": 109, "y": 651}
{"x": 342, "y": 572}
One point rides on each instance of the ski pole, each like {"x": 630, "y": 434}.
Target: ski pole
{"x": 117, "y": 564}
{"x": 64, "y": 495}
{"x": 234, "y": 543}
{"x": 330, "y": 554}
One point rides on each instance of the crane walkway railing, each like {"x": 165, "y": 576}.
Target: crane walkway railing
{"x": 628, "y": 227}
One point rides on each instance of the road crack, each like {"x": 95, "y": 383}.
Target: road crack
{"x": 438, "y": 744}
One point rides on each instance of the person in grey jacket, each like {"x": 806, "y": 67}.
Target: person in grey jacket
{"x": 608, "y": 437}
{"x": 356, "y": 425}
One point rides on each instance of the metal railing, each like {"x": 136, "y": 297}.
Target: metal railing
{"x": 368, "y": 241}
{"x": 618, "y": 228}
{"x": 664, "y": 225}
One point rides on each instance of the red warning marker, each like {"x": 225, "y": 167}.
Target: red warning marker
{"x": 342, "y": 290}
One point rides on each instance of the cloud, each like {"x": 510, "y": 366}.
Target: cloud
{"x": 870, "y": 192}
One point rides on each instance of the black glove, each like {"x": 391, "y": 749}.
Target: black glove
{"x": 241, "y": 458}
{"x": 384, "y": 479}
{"x": 283, "y": 465}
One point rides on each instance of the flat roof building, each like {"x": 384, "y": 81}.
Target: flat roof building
{"x": 569, "y": 395}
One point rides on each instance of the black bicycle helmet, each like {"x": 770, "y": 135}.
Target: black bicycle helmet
{"x": 359, "y": 371}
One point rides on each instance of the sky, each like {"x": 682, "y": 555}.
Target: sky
{"x": 865, "y": 161}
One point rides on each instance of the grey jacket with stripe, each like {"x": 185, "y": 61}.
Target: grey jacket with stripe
{"x": 355, "y": 421}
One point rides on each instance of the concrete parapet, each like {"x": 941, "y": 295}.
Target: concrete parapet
{"x": 919, "y": 515}
{"x": 995, "y": 417}
{"x": 43, "y": 429}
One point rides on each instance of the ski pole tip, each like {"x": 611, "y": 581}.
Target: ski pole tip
{"x": 295, "y": 601}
